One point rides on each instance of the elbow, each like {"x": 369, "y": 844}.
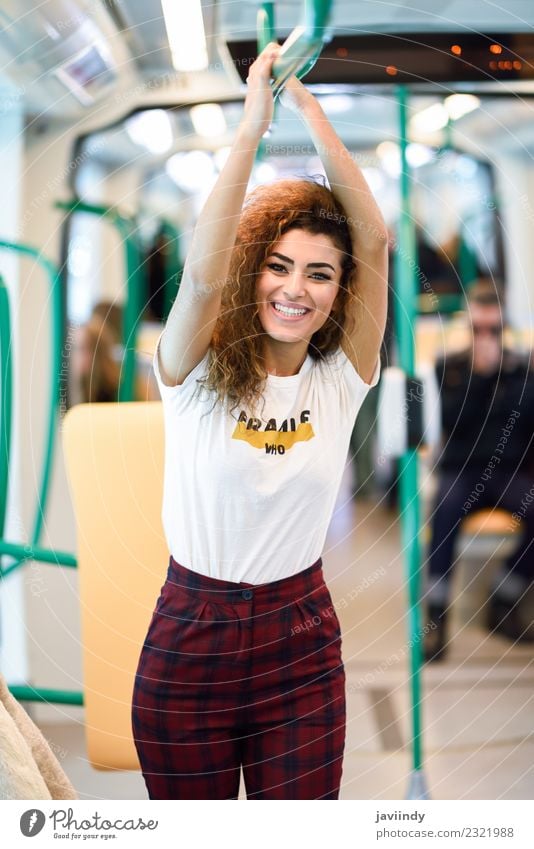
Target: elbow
{"x": 380, "y": 239}
{"x": 373, "y": 241}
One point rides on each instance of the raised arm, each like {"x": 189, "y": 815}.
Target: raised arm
{"x": 192, "y": 319}
{"x": 366, "y": 224}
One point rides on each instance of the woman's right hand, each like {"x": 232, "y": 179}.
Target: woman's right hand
{"x": 259, "y": 102}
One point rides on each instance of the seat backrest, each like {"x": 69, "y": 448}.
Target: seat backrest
{"x": 114, "y": 456}
{"x": 489, "y": 521}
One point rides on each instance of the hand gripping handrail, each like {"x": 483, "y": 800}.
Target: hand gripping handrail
{"x": 303, "y": 46}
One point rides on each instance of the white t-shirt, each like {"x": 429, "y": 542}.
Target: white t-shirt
{"x": 251, "y": 500}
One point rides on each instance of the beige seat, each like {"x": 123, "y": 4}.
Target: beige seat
{"x": 114, "y": 458}
{"x": 494, "y": 521}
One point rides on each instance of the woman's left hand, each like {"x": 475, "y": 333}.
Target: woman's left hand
{"x": 295, "y": 95}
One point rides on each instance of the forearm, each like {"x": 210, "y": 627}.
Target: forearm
{"x": 347, "y": 182}
{"x": 208, "y": 257}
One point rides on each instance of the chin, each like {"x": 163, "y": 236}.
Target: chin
{"x": 279, "y": 336}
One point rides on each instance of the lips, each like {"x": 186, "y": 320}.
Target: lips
{"x": 282, "y": 315}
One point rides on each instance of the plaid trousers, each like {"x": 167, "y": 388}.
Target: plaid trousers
{"x": 236, "y": 675}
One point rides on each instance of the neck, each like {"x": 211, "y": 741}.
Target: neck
{"x": 284, "y": 358}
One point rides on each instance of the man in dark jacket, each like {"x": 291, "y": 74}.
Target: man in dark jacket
{"x": 487, "y": 401}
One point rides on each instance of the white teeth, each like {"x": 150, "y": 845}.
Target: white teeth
{"x": 288, "y": 310}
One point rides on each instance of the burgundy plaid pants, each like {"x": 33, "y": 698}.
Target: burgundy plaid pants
{"x": 236, "y": 675}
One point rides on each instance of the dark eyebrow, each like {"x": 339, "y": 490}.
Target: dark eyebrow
{"x": 309, "y": 265}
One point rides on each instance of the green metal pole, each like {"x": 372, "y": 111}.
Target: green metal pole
{"x": 405, "y": 315}
{"x": 173, "y": 267}
{"x": 265, "y": 25}
{"x": 132, "y": 312}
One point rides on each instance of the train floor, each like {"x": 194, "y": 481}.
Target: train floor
{"x": 477, "y": 705}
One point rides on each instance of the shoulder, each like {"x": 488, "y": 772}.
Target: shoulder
{"x": 336, "y": 366}
{"x": 183, "y": 392}
{"x": 517, "y": 361}
{"x": 456, "y": 361}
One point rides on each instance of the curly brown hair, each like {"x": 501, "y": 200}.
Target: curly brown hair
{"x": 236, "y": 371}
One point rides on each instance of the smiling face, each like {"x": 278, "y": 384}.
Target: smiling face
{"x": 297, "y": 285}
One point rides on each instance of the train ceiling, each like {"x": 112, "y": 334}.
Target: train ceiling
{"x": 92, "y": 44}
{"x": 235, "y": 21}
{"x": 69, "y": 58}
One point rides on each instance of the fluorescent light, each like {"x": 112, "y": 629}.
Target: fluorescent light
{"x": 418, "y": 154}
{"x": 151, "y": 129}
{"x": 208, "y": 119}
{"x": 185, "y": 31}
{"x": 430, "y": 119}
{"x": 460, "y": 104}
{"x": 191, "y": 171}
{"x": 437, "y": 116}
{"x": 389, "y": 154}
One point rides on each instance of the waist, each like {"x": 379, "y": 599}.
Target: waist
{"x": 300, "y": 585}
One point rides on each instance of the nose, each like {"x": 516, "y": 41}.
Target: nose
{"x": 294, "y": 286}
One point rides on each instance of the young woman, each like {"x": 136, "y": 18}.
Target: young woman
{"x": 268, "y": 352}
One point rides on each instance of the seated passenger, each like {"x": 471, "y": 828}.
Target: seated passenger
{"x": 96, "y": 368}
{"x": 110, "y": 314}
{"x": 487, "y": 403}
{"x": 95, "y": 375}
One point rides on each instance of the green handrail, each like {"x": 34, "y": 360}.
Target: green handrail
{"x": 132, "y": 310}
{"x": 25, "y": 552}
{"x": 33, "y": 552}
{"x": 55, "y": 287}
{"x": 265, "y": 25}
{"x": 303, "y": 46}
{"x": 25, "y": 693}
{"x": 6, "y": 379}
{"x": 173, "y": 266}
{"x": 405, "y": 316}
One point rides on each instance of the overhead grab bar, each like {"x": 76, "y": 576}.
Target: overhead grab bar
{"x": 302, "y": 47}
